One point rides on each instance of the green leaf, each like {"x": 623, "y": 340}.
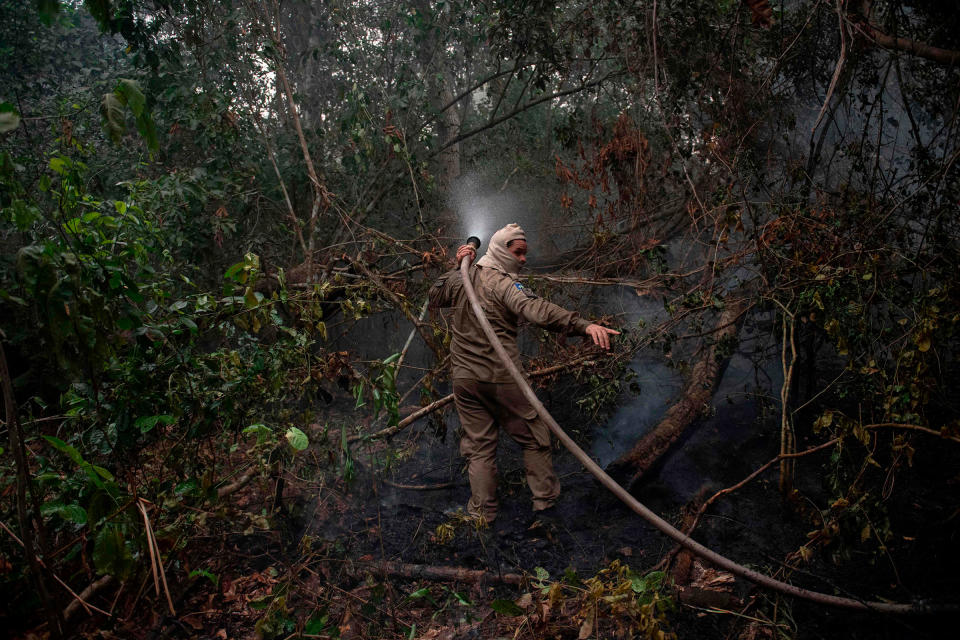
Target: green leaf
{"x": 236, "y": 273}
{"x": 648, "y": 583}
{"x": 129, "y": 91}
{"x": 358, "y": 394}
{"x": 316, "y": 625}
{"x": 110, "y": 554}
{"x": 127, "y": 94}
{"x": 73, "y": 226}
{"x": 420, "y": 593}
{"x": 148, "y": 131}
{"x": 103, "y": 473}
{"x": 91, "y": 472}
{"x": 23, "y": 213}
{"x": 571, "y": 578}
{"x": 297, "y": 439}
{"x": 70, "y": 512}
{"x": 9, "y": 118}
{"x": 112, "y": 117}
{"x": 206, "y": 574}
{"x": 60, "y": 445}
{"x": 263, "y": 431}
{"x": 251, "y": 298}
{"x": 60, "y": 164}
{"x": 462, "y": 599}
{"x": 147, "y": 423}
{"x": 506, "y": 607}
{"x": 74, "y": 513}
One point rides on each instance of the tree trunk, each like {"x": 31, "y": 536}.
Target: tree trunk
{"x": 696, "y": 396}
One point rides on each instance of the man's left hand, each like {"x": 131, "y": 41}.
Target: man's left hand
{"x": 601, "y": 335}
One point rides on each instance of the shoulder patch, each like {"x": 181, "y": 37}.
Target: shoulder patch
{"x": 522, "y": 289}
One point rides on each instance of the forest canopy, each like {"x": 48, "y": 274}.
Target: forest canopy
{"x": 219, "y": 220}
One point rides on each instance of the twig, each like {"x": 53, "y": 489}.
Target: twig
{"x": 238, "y": 484}
{"x": 805, "y": 452}
{"x": 80, "y": 600}
{"x": 294, "y": 221}
{"x": 786, "y": 430}
{"x": 912, "y": 427}
{"x": 836, "y": 72}
{"x": 442, "y": 402}
{"x": 413, "y": 332}
{"x": 155, "y": 557}
{"x": 400, "y": 426}
{"x": 150, "y": 549}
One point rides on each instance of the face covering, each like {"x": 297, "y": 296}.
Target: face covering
{"x": 498, "y": 256}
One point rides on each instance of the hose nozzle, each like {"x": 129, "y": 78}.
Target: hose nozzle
{"x": 474, "y": 241}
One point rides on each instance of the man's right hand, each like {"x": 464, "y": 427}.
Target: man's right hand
{"x": 466, "y": 250}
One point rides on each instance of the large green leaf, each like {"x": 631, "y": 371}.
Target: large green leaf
{"x": 263, "y": 432}
{"x": 129, "y": 92}
{"x": 72, "y": 512}
{"x": 148, "y": 131}
{"x": 71, "y": 451}
{"x": 297, "y": 439}
{"x": 110, "y": 553}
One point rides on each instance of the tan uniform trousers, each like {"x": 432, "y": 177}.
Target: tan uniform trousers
{"x": 483, "y": 406}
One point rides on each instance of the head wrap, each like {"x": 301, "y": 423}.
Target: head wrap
{"x": 498, "y": 256}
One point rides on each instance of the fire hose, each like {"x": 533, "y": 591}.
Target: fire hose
{"x": 659, "y": 523}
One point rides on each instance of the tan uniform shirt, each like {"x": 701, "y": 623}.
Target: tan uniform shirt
{"x": 504, "y": 301}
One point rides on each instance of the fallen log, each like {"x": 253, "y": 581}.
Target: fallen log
{"x": 80, "y": 600}
{"x": 419, "y": 487}
{"x": 434, "y": 572}
{"x": 630, "y": 467}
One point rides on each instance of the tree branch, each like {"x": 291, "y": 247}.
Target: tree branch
{"x": 950, "y": 57}
{"x": 495, "y": 121}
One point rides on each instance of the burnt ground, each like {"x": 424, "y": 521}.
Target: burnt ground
{"x": 315, "y": 562}
{"x": 394, "y": 517}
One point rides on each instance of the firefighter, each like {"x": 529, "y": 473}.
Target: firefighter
{"x": 486, "y": 396}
